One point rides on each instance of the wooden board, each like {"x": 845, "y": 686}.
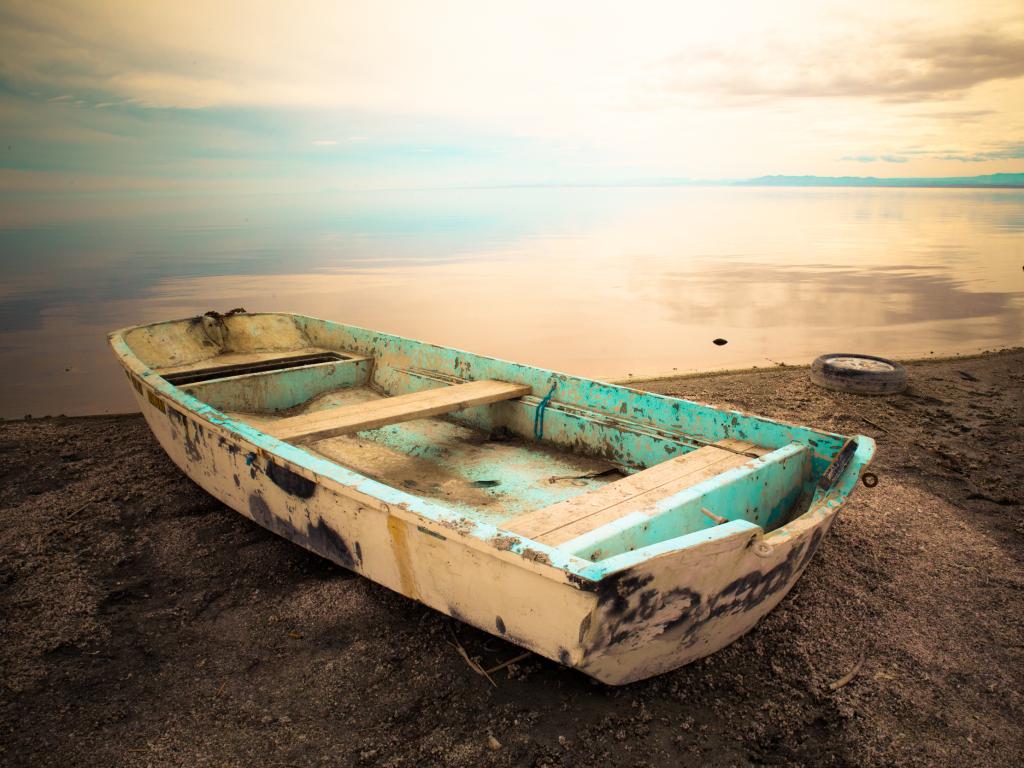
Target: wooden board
{"x": 241, "y": 358}
{"x": 332, "y": 422}
{"x": 568, "y": 519}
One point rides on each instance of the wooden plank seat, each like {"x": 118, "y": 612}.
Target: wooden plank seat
{"x": 333, "y": 422}
{"x": 245, "y": 358}
{"x": 242, "y": 365}
{"x": 566, "y": 520}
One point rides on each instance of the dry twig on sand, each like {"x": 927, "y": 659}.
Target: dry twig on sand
{"x": 465, "y": 656}
{"x": 835, "y": 685}
{"x": 504, "y": 664}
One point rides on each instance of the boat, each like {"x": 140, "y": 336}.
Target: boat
{"x": 619, "y": 532}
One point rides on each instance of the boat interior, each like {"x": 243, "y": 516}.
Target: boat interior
{"x": 591, "y": 469}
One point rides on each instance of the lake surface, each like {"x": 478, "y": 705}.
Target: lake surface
{"x": 599, "y": 282}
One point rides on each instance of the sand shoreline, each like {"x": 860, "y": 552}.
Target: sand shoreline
{"x": 754, "y": 369}
{"x": 145, "y": 623}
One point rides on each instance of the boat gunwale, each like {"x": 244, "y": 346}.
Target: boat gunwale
{"x": 523, "y": 551}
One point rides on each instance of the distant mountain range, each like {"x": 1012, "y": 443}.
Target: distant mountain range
{"x": 991, "y": 180}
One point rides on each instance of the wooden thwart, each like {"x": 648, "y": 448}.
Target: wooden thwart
{"x": 392, "y": 410}
{"x": 245, "y": 358}
{"x": 568, "y": 519}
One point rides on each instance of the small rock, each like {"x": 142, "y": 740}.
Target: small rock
{"x": 493, "y": 743}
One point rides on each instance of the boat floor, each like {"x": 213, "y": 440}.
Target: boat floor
{"x": 489, "y": 478}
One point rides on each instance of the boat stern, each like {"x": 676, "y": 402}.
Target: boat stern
{"x": 670, "y": 604}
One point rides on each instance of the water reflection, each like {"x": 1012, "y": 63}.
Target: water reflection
{"x": 598, "y": 282}
{"x": 743, "y": 295}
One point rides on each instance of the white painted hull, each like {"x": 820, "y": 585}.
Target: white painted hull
{"x": 637, "y": 589}
{"x": 653, "y": 618}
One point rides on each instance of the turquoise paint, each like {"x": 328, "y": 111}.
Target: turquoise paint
{"x": 521, "y": 473}
{"x": 586, "y": 415}
{"x": 279, "y": 390}
{"x": 758, "y": 492}
{"x": 734, "y": 529}
{"x": 608, "y": 400}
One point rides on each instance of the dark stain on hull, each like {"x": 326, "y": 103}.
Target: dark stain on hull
{"x": 290, "y": 482}
{"x": 752, "y": 589}
{"x": 191, "y": 443}
{"x": 230, "y": 447}
{"x": 499, "y": 624}
{"x": 615, "y": 594}
{"x": 811, "y": 549}
{"x": 634, "y": 610}
{"x": 319, "y": 538}
{"x": 457, "y": 615}
{"x": 584, "y": 628}
{"x": 584, "y": 585}
{"x": 635, "y": 613}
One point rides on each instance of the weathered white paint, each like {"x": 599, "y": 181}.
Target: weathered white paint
{"x": 622, "y": 619}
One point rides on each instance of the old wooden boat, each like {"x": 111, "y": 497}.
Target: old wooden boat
{"x": 616, "y": 531}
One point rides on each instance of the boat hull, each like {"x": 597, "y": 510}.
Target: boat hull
{"x": 631, "y": 624}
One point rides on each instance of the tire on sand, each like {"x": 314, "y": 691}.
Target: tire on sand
{"x": 860, "y": 374}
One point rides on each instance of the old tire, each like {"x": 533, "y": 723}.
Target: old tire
{"x": 860, "y": 374}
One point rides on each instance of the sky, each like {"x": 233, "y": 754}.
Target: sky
{"x": 118, "y": 95}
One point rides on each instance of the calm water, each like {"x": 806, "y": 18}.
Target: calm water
{"x": 601, "y": 282}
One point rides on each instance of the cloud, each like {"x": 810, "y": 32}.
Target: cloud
{"x": 956, "y": 115}
{"x": 736, "y": 89}
{"x": 1009, "y": 152}
{"x": 152, "y": 55}
{"x": 875, "y": 158}
{"x": 897, "y": 68}
{"x": 1006, "y": 151}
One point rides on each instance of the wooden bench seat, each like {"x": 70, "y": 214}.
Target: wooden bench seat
{"x": 333, "y": 422}
{"x": 581, "y": 514}
{"x": 246, "y": 358}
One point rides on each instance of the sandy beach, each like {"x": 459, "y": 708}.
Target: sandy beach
{"x": 144, "y": 623}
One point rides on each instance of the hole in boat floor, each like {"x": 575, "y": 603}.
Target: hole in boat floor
{"x": 486, "y": 477}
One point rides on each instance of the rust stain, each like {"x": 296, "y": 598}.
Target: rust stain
{"x": 536, "y": 556}
{"x": 155, "y": 401}
{"x": 400, "y": 546}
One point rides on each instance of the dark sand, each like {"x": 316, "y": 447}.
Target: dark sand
{"x": 143, "y": 623}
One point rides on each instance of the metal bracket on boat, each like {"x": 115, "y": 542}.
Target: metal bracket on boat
{"x": 717, "y": 518}
{"x": 838, "y": 466}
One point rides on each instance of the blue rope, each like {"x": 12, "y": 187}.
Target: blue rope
{"x": 538, "y": 416}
